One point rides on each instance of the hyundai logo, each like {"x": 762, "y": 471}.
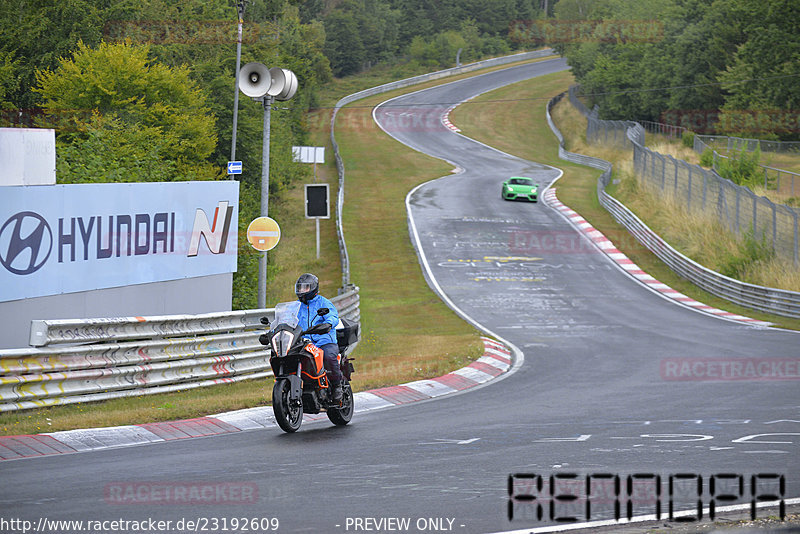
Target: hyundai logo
{"x": 25, "y": 243}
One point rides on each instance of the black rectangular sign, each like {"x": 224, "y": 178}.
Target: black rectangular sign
{"x": 317, "y": 201}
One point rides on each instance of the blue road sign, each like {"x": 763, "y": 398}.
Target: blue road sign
{"x": 234, "y": 167}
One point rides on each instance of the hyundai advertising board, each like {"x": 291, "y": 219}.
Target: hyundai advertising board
{"x": 70, "y": 238}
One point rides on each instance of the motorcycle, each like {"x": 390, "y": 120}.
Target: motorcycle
{"x": 301, "y": 384}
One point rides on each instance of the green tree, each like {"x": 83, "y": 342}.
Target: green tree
{"x": 447, "y": 45}
{"x": 125, "y": 94}
{"x": 739, "y": 56}
{"x": 741, "y": 167}
{"x": 768, "y": 60}
{"x": 343, "y": 45}
{"x": 112, "y": 151}
{"x": 311, "y": 10}
{"x": 9, "y": 82}
{"x": 39, "y": 32}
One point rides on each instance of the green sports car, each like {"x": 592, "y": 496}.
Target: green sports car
{"x": 518, "y": 188}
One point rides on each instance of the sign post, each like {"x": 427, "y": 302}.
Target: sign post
{"x": 316, "y": 196}
{"x": 309, "y": 154}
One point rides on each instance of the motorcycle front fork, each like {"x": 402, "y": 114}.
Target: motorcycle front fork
{"x": 299, "y": 375}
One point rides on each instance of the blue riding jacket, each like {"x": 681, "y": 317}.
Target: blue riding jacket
{"x": 307, "y": 317}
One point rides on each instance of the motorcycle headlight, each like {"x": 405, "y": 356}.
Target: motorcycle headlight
{"x": 281, "y": 342}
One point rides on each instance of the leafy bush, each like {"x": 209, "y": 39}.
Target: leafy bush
{"x": 688, "y": 138}
{"x": 741, "y": 167}
{"x": 751, "y": 252}
{"x": 438, "y": 51}
{"x": 707, "y": 158}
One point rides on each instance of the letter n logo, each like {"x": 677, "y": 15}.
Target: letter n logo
{"x": 216, "y": 235}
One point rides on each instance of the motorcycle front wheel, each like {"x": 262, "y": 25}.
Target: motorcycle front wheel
{"x": 343, "y": 415}
{"x": 289, "y": 417}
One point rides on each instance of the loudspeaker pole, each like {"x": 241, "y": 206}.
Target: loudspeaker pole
{"x": 266, "y": 85}
{"x": 262, "y": 264}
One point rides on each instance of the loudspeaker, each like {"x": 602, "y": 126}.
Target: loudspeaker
{"x": 284, "y": 83}
{"x": 255, "y": 80}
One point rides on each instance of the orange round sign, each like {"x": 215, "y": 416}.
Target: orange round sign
{"x": 263, "y": 234}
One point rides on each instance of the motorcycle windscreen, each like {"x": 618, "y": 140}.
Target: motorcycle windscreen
{"x": 286, "y": 312}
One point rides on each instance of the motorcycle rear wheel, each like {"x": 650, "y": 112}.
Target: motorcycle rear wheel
{"x": 288, "y": 417}
{"x": 343, "y": 415}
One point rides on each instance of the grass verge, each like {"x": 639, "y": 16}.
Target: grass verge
{"x": 520, "y": 128}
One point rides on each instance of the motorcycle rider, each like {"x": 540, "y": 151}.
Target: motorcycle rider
{"x": 307, "y": 290}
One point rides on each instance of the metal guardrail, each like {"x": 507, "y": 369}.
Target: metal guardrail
{"x": 98, "y": 359}
{"x": 771, "y": 300}
{"x": 524, "y": 56}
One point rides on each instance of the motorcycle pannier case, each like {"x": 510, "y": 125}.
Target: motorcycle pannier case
{"x": 348, "y": 335}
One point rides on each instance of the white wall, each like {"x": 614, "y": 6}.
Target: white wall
{"x": 27, "y": 156}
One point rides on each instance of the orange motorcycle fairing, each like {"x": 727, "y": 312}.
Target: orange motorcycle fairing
{"x": 318, "y": 354}
{"x": 318, "y": 375}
